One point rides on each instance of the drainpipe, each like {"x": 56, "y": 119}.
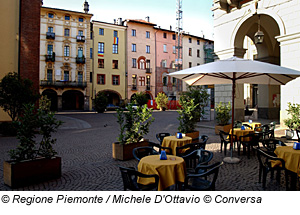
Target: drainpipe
{"x": 155, "y": 65}
{"x": 19, "y": 54}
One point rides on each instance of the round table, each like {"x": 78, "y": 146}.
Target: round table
{"x": 173, "y": 142}
{"x": 239, "y": 132}
{"x": 290, "y": 156}
{"x": 169, "y": 171}
{"x": 253, "y": 124}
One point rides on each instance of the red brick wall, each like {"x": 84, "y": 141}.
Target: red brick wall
{"x": 30, "y": 40}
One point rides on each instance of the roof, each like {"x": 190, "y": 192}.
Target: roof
{"x": 69, "y": 11}
{"x": 141, "y": 21}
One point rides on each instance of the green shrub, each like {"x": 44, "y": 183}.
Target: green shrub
{"x": 161, "y": 100}
{"x": 187, "y": 115}
{"x": 294, "y": 111}
{"x": 100, "y": 103}
{"x": 223, "y": 112}
{"x": 140, "y": 99}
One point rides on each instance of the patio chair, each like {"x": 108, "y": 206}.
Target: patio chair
{"x": 203, "y": 181}
{"x": 237, "y": 124}
{"x": 197, "y": 158}
{"x": 160, "y": 136}
{"x": 168, "y": 150}
{"x": 140, "y": 152}
{"x": 129, "y": 176}
{"x": 188, "y": 148}
{"x": 263, "y": 128}
{"x": 203, "y": 139}
{"x": 225, "y": 140}
{"x": 268, "y": 163}
{"x": 247, "y": 126}
{"x": 269, "y": 145}
{"x": 298, "y": 134}
{"x": 248, "y": 141}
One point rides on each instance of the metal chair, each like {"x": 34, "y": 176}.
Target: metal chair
{"x": 129, "y": 176}
{"x": 160, "y": 136}
{"x": 225, "y": 141}
{"x": 140, "y": 152}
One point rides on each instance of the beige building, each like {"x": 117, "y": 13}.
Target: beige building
{"x": 65, "y": 66}
{"x": 278, "y": 20}
{"x": 109, "y": 60}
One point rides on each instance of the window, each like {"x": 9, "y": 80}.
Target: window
{"x": 100, "y": 79}
{"x": 198, "y": 64}
{"x": 174, "y": 49}
{"x": 142, "y": 64}
{"x": 50, "y": 49}
{"x": 198, "y": 53}
{"x": 115, "y": 64}
{"x": 147, "y": 64}
{"x": 50, "y": 15}
{"x": 91, "y": 53}
{"x": 190, "y": 51}
{"x": 190, "y": 64}
{"x": 67, "y": 17}
{"x": 67, "y": 51}
{"x": 133, "y": 32}
{"x": 91, "y": 77}
{"x": 101, "y": 31}
{"x": 80, "y": 52}
{"x": 165, "y": 80}
{"x": 66, "y": 75}
{"x": 49, "y": 74}
{"x": 67, "y": 32}
{"x": 147, "y": 49}
{"x": 134, "y": 82}
{"x": 174, "y": 36}
{"x": 133, "y": 62}
{"x": 133, "y": 47}
{"x": 80, "y": 77}
{"x": 164, "y": 63}
{"x": 115, "y": 49}
{"x": 80, "y": 19}
{"x": 142, "y": 81}
{"x": 100, "y": 49}
{"x": 165, "y": 35}
{"x": 80, "y": 33}
{"x": 198, "y": 42}
{"x": 165, "y": 48}
{"x": 50, "y": 29}
{"x": 148, "y": 82}
{"x": 174, "y": 81}
{"x": 147, "y": 34}
{"x": 115, "y": 80}
{"x": 190, "y": 40}
{"x": 115, "y": 33}
{"x": 100, "y": 63}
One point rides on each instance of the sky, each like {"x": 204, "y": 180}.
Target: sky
{"x": 197, "y": 14}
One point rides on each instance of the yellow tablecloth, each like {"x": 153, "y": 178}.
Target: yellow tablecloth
{"x": 253, "y": 124}
{"x": 173, "y": 142}
{"x": 290, "y": 156}
{"x": 169, "y": 171}
{"x": 239, "y": 132}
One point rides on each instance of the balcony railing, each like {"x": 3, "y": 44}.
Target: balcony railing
{"x": 50, "y": 35}
{"x": 50, "y": 58}
{"x": 74, "y": 84}
{"x": 80, "y": 38}
{"x": 80, "y": 60}
{"x": 148, "y": 70}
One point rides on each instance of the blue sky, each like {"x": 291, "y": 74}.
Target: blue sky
{"x": 197, "y": 14}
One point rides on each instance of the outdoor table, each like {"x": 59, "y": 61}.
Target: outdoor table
{"x": 253, "y": 124}
{"x": 173, "y": 142}
{"x": 239, "y": 132}
{"x": 169, "y": 171}
{"x": 291, "y": 158}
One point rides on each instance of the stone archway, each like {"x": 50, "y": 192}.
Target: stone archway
{"x": 113, "y": 97}
{"x": 52, "y": 95}
{"x": 72, "y": 100}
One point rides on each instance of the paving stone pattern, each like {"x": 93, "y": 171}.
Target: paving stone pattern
{"x": 85, "y": 144}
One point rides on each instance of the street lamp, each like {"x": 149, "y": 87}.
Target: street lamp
{"x": 259, "y": 35}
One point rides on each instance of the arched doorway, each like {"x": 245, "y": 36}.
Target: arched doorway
{"x": 72, "y": 100}
{"x": 52, "y": 95}
{"x": 114, "y": 98}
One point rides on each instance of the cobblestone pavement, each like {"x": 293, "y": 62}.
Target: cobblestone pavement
{"x": 85, "y": 144}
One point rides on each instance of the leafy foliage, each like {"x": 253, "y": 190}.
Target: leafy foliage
{"x": 134, "y": 123}
{"x": 187, "y": 115}
{"x": 101, "y": 101}
{"x": 161, "y": 100}
{"x": 294, "y": 111}
{"x": 14, "y": 93}
{"x": 140, "y": 99}
{"x": 223, "y": 113}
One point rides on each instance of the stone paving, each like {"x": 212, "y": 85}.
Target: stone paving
{"x": 84, "y": 142}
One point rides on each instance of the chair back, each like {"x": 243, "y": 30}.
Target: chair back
{"x": 188, "y": 148}
{"x": 168, "y": 150}
{"x": 247, "y": 126}
{"x": 270, "y": 144}
{"x": 140, "y": 152}
{"x": 160, "y": 136}
{"x": 205, "y": 157}
{"x": 191, "y": 160}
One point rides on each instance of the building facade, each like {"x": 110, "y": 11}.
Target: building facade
{"x": 278, "y": 20}
{"x": 65, "y": 58}
{"x": 19, "y": 46}
{"x": 109, "y": 64}
{"x": 140, "y": 58}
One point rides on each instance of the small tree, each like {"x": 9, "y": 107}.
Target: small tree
{"x": 294, "y": 111}
{"x": 187, "y": 116}
{"x": 14, "y": 93}
{"x": 161, "y": 100}
{"x": 223, "y": 113}
{"x": 140, "y": 99}
{"x": 100, "y": 102}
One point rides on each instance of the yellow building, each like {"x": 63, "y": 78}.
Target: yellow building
{"x": 65, "y": 58}
{"x": 109, "y": 61}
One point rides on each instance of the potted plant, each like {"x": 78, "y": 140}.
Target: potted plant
{"x": 293, "y": 123}
{"x": 188, "y": 117}
{"x": 134, "y": 124}
{"x": 100, "y": 102}
{"x": 161, "y": 101}
{"x": 223, "y": 116}
{"x": 33, "y": 161}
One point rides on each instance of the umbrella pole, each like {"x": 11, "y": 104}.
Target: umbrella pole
{"x": 231, "y": 159}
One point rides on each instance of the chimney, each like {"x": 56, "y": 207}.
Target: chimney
{"x": 115, "y": 21}
{"x": 147, "y": 18}
{"x": 170, "y": 27}
{"x": 120, "y": 21}
{"x": 86, "y": 7}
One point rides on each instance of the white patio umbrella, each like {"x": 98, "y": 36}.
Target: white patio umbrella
{"x": 236, "y": 70}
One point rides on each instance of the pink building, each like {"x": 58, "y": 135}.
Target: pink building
{"x": 140, "y": 57}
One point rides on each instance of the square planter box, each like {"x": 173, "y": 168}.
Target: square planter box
{"x": 28, "y": 172}
{"x": 124, "y": 151}
{"x": 194, "y": 136}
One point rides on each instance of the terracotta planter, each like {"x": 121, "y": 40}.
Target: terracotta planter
{"x": 28, "y": 172}
{"x": 194, "y": 136}
{"x": 225, "y": 128}
{"x": 124, "y": 151}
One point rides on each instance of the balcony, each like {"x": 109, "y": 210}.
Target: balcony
{"x": 80, "y": 38}
{"x": 50, "y": 35}
{"x": 148, "y": 70}
{"x": 50, "y": 58}
{"x": 63, "y": 84}
{"x": 80, "y": 60}
{"x": 148, "y": 88}
{"x": 133, "y": 87}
